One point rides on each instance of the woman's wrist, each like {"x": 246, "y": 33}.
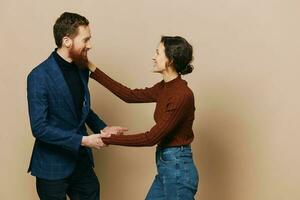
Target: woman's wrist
{"x": 92, "y": 67}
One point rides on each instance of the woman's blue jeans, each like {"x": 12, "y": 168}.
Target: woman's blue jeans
{"x": 177, "y": 177}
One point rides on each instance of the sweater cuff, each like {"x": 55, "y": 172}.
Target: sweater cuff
{"x": 94, "y": 74}
{"x": 105, "y": 141}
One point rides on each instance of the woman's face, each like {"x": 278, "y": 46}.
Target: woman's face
{"x": 160, "y": 59}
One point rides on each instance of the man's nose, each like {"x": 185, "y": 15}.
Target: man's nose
{"x": 89, "y": 45}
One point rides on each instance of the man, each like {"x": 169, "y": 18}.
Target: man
{"x": 59, "y": 107}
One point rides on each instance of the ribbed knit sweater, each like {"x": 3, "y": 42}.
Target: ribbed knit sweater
{"x": 174, "y": 112}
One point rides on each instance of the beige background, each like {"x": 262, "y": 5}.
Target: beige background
{"x": 246, "y": 84}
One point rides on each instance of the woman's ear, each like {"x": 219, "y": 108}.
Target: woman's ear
{"x": 169, "y": 63}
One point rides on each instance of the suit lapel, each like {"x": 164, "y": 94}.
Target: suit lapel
{"x": 86, "y": 100}
{"x": 58, "y": 78}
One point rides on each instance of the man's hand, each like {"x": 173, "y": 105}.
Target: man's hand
{"x": 109, "y": 130}
{"x": 92, "y": 141}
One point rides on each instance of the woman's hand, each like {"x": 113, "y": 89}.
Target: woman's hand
{"x": 113, "y": 130}
{"x": 91, "y": 66}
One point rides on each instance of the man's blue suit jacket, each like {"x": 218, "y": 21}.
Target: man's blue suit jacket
{"x": 57, "y": 130}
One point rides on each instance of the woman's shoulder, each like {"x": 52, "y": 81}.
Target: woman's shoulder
{"x": 185, "y": 90}
{"x": 183, "y": 95}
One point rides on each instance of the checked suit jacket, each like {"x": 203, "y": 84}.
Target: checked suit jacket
{"x": 57, "y": 129}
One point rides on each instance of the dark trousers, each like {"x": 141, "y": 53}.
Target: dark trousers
{"x": 83, "y": 184}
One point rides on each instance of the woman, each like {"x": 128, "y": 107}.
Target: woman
{"x": 177, "y": 176}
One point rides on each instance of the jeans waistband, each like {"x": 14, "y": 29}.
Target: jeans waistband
{"x": 181, "y": 147}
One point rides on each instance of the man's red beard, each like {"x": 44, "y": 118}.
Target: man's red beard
{"x": 79, "y": 58}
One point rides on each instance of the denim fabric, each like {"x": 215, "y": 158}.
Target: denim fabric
{"x": 177, "y": 177}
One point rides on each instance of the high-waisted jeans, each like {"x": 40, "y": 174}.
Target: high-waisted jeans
{"x": 177, "y": 177}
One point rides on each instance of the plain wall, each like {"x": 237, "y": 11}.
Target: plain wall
{"x": 245, "y": 82}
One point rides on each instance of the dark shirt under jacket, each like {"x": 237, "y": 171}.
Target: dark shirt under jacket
{"x": 73, "y": 80}
{"x": 71, "y": 74}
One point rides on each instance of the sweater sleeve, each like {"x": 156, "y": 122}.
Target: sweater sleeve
{"x": 128, "y": 95}
{"x": 171, "y": 117}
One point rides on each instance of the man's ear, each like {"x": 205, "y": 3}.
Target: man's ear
{"x": 67, "y": 42}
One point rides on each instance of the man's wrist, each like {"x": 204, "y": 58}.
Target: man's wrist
{"x": 83, "y": 141}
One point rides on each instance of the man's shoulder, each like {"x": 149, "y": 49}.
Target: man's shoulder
{"x": 41, "y": 68}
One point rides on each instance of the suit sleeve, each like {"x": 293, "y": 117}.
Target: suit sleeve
{"x": 128, "y": 95}
{"x": 38, "y": 114}
{"x": 94, "y": 122}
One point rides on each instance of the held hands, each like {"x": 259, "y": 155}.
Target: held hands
{"x": 95, "y": 141}
{"x": 92, "y": 141}
{"x": 113, "y": 130}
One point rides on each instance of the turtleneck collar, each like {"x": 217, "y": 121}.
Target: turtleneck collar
{"x": 65, "y": 65}
{"x": 172, "y": 82}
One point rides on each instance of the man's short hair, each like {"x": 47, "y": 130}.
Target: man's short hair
{"x": 67, "y": 25}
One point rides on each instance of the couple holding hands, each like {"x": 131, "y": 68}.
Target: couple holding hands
{"x": 59, "y": 110}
